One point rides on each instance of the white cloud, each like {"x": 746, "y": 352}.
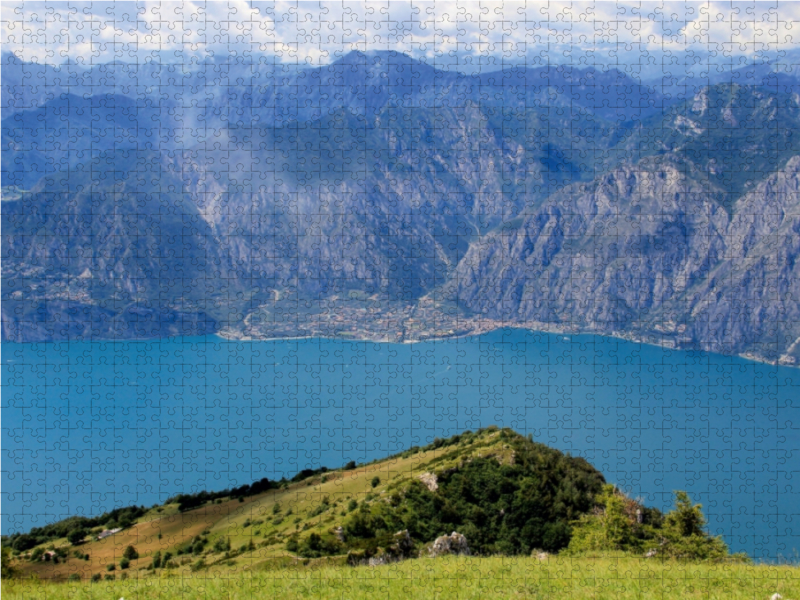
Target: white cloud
{"x": 318, "y": 32}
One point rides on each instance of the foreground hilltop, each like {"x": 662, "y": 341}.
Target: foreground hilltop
{"x": 484, "y": 493}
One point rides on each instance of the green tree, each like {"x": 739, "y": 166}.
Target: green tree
{"x": 124, "y": 563}
{"x": 687, "y": 519}
{"x": 684, "y": 536}
{"x": 376, "y": 481}
{"x": 616, "y": 524}
{"x": 130, "y": 553}
{"x": 76, "y": 536}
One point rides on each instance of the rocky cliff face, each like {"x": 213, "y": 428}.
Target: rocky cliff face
{"x": 649, "y": 251}
{"x": 523, "y": 196}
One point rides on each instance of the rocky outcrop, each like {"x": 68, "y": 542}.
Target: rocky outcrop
{"x": 455, "y": 543}
{"x": 648, "y": 252}
{"x": 430, "y": 481}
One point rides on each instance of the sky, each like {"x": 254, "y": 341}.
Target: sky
{"x": 466, "y": 36}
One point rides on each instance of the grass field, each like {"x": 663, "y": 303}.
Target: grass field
{"x": 451, "y": 577}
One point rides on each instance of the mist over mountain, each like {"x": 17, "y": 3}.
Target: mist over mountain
{"x": 150, "y": 200}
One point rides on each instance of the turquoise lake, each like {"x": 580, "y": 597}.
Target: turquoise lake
{"x": 88, "y": 426}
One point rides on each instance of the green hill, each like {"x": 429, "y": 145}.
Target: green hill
{"x": 491, "y": 492}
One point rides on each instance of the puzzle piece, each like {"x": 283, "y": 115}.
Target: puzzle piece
{"x": 251, "y": 250}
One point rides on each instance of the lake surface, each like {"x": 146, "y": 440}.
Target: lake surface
{"x": 88, "y": 426}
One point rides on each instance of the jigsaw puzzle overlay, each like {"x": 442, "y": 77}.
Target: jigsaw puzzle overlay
{"x": 245, "y": 241}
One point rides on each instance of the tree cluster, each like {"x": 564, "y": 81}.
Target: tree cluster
{"x": 119, "y": 517}
{"x": 501, "y": 508}
{"x": 620, "y": 524}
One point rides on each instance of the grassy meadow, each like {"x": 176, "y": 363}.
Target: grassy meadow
{"x": 460, "y": 578}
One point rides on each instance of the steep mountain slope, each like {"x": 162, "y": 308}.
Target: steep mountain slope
{"x": 551, "y": 196}
{"x": 108, "y": 249}
{"x": 736, "y": 134}
{"x": 386, "y": 206}
{"x": 651, "y": 252}
{"x": 69, "y": 131}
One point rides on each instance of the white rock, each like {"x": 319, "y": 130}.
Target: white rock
{"x": 430, "y": 480}
{"x": 776, "y": 597}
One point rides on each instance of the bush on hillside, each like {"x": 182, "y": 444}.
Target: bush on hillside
{"x": 620, "y": 524}
{"x": 76, "y": 536}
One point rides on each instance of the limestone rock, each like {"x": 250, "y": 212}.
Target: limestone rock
{"x": 430, "y": 480}
{"x": 455, "y": 543}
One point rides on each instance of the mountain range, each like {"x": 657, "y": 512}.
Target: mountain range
{"x": 151, "y": 200}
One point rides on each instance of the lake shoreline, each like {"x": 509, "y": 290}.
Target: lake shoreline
{"x": 490, "y": 325}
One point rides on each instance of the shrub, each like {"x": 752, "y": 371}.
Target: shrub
{"x": 376, "y": 481}
{"x": 130, "y": 553}
{"x": 96, "y": 577}
{"x": 198, "y": 565}
{"x": 6, "y": 571}
{"x": 621, "y": 524}
{"x": 684, "y": 532}
{"x": 316, "y": 545}
{"x": 124, "y": 563}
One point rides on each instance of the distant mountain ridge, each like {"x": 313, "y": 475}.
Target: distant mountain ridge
{"x": 186, "y": 200}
